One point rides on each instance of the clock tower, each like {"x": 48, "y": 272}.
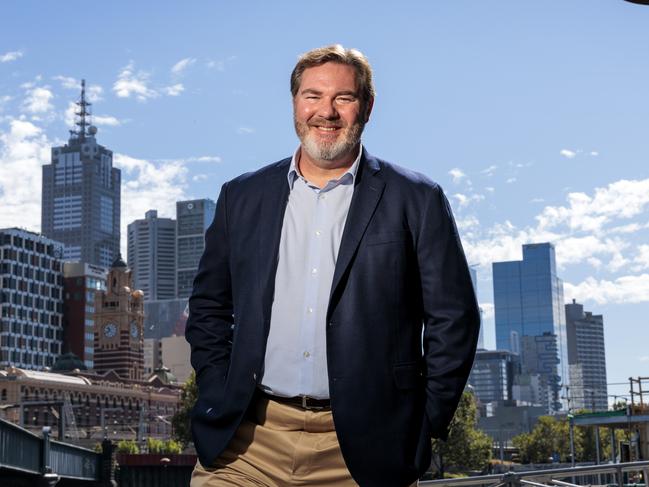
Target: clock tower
{"x": 119, "y": 318}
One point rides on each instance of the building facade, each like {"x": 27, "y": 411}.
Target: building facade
{"x": 81, "y": 283}
{"x": 119, "y": 319}
{"x": 172, "y": 353}
{"x": 96, "y": 405}
{"x": 152, "y": 256}
{"x": 528, "y": 302}
{"x": 587, "y": 358}
{"x": 492, "y": 375}
{"x": 31, "y": 299}
{"x": 81, "y": 196}
{"x": 192, "y": 219}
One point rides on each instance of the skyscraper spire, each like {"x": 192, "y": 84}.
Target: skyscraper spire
{"x": 82, "y": 113}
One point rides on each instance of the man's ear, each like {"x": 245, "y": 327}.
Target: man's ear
{"x": 368, "y": 109}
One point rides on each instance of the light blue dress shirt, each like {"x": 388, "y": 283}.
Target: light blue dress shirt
{"x": 296, "y": 353}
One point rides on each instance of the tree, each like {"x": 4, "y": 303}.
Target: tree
{"x": 467, "y": 448}
{"x": 549, "y": 439}
{"x": 181, "y": 420}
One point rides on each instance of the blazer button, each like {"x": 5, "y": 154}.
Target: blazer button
{"x": 254, "y": 376}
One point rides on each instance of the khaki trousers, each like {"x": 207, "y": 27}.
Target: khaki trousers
{"x": 279, "y": 446}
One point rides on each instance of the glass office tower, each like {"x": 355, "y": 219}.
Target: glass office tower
{"x": 81, "y": 195}
{"x": 528, "y": 301}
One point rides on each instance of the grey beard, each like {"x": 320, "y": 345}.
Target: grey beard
{"x": 330, "y": 151}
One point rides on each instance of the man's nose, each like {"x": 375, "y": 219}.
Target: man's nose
{"x": 327, "y": 109}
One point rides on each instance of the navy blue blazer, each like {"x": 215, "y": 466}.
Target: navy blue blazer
{"x": 400, "y": 269}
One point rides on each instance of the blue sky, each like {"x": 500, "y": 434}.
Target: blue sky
{"x": 531, "y": 115}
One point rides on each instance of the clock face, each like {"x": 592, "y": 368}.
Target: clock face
{"x": 135, "y": 330}
{"x": 110, "y": 330}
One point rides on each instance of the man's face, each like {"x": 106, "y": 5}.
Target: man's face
{"x": 328, "y": 113}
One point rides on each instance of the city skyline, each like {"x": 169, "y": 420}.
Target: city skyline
{"x": 531, "y": 117}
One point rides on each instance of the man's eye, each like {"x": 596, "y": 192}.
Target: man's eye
{"x": 345, "y": 99}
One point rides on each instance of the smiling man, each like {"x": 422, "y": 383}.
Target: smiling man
{"x": 333, "y": 322}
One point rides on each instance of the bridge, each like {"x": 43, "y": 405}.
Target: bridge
{"x": 28, "y": 459}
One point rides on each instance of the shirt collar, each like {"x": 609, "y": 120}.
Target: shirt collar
{"x": 293, "y": 170}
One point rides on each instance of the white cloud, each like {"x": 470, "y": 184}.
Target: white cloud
{"x": 199, "y": 177}
{"x": 619, "y": 200}
{"x": 218, "y": 65}
{"x": 456, "y": 174}
{"x": 594, "y": 153}
{"x": 626, "y": 289}
{"x": 567, "y": 153}
{"x": 38, "y": 100}
{"x": 466, "y": 200}
{"x": 590, "y": 229}
{"x": 105, "y": 120}
{"x": 174, "y": 90}
{"x": 467, "y": 222}
{"x": 69, "y": 114}
{"x": 93, "y": 93}
{"x": 146, "y": 185}
{"x": 490, "y": 189}
{"x": 537, "y": 200}
{"x": 490, "y": 170}
{"x": 245, "y": 130}
{"x": 68, "y": 82}
{"x": 129, "y": 83}
{"x": 4, "y": 100}
{"x": 182, "y": 65}
{"x": 511, "y": 180}
{"x": 642, "y": 257}
{"x": 23, "y": 149}
{"x": 10, "y": 56}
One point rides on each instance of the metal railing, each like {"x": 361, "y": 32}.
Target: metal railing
{"x": 550, "y": 478}
{"x": 71, "y": 461}
{"x": 19, "y": 449}
{"x": 24, "y": 452}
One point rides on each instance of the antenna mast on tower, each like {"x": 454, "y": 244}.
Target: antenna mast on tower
{"x": 82, "y": 113}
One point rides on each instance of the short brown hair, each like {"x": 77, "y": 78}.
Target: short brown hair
{"x": 336, "y": 54}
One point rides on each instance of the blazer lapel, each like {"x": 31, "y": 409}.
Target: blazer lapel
{"x": 368, "y": 191}
{"x": 269, "y": 231}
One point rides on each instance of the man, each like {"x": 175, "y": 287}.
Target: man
{"x": 319, "y": 274}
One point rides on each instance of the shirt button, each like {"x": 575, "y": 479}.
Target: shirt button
{"x": 310, "y": 310}
{"x": 314, "y": 271}
{"x": 318, "y": 233}
{"x": 322, "y": 196}
{"x": 306, "y": 354}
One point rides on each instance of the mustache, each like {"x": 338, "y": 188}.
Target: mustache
{"x": 323, "y": 122}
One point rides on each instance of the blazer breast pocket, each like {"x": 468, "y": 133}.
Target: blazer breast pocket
{"x": 380, "y": 238}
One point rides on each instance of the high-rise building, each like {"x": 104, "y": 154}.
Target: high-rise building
{"x": 587, "y": 358}
{"x": 152, "y": 256}
{"x": 81, "y": 283}
{"x": 81, "y": 195}
{"x": 31, "y": 299}
{"x": 492, "y": 375}
{"x": 119, "y": 317}
{"x": 528, "y": 302}
{"x": 192, "y": 219}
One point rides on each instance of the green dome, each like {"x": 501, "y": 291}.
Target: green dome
{"x": 68, "y": 362}
{"x": 164, "y": 374}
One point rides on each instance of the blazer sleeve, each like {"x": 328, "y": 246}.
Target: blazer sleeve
{"x": 210, "y": 321}
{"x": 450, "y": 312}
